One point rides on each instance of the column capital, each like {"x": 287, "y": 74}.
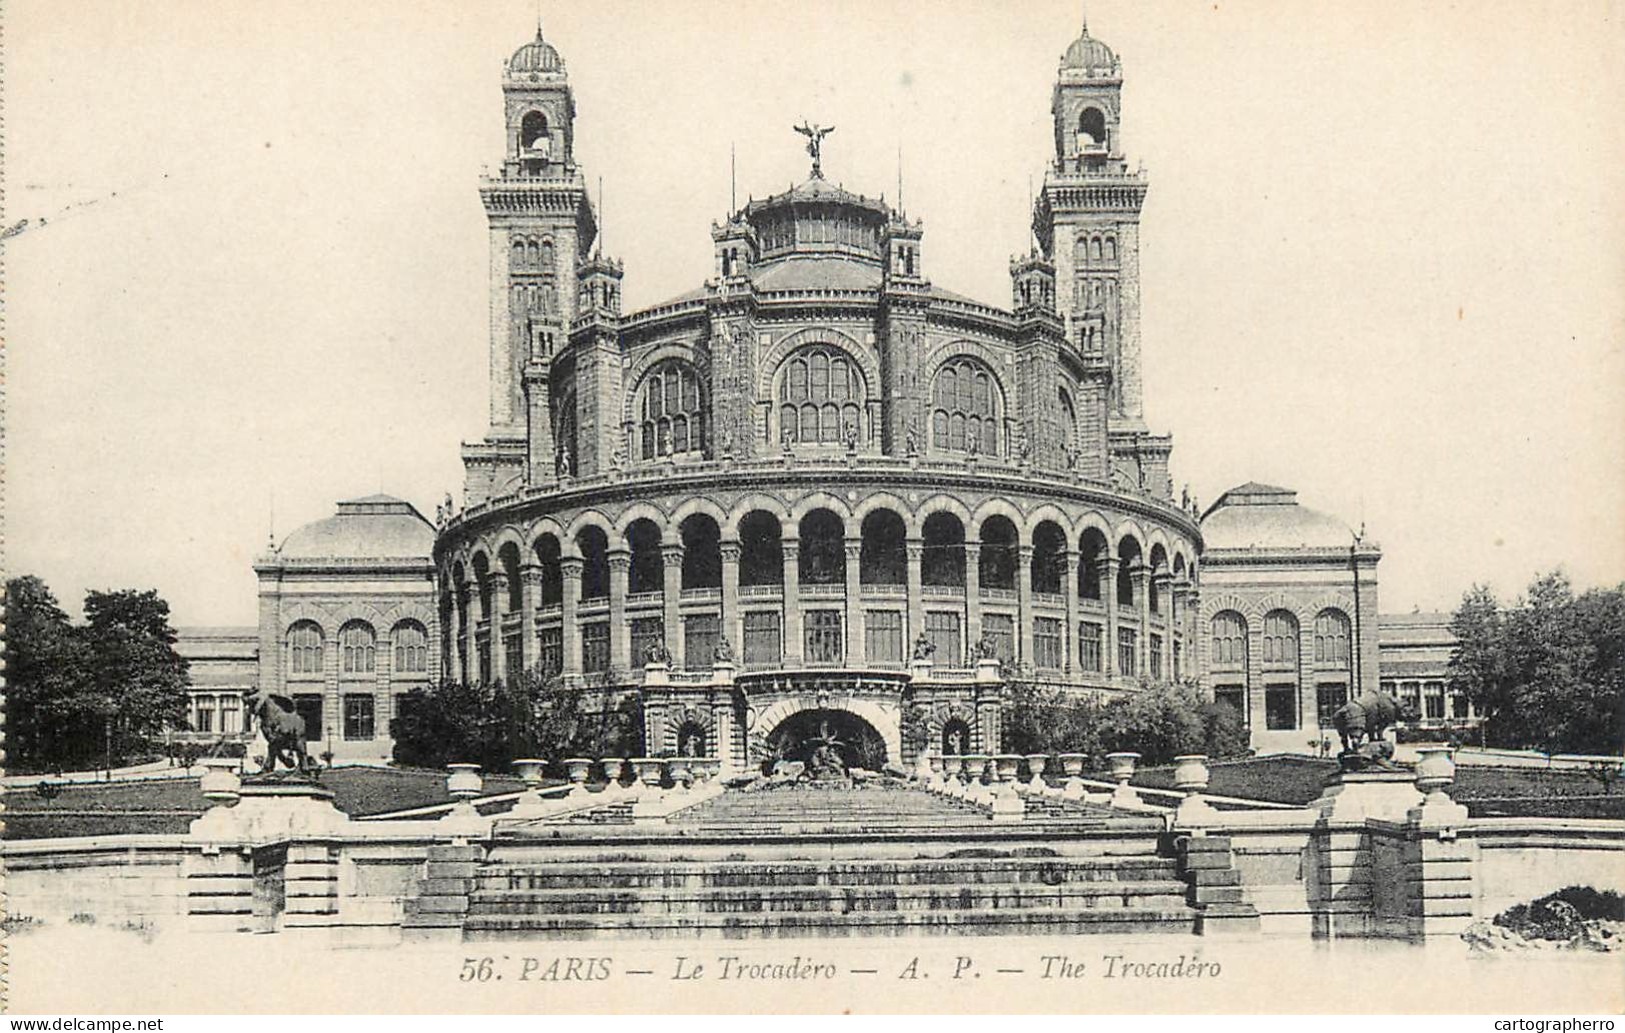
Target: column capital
{"x": 572, "y": 566}
{"x": 620, "y": 561}
{"x": 854, "y": 549}
{"x": 530, "y": 574}
{"x": 671, "y": 554}
{"x": 915, "y": 548}
{"x": 498, "y": 579}
{"x": 1025, "y": 551}
{"x": 730, "y": 550}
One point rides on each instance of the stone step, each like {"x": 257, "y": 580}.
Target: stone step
{"x": 655, "y": 874}
{"x": 1045, "y": 922}
{"x": 1155, "y": 896}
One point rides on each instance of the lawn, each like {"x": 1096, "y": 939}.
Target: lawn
{"x": 169, "y": 805}
{"x": 1487, "y": 791}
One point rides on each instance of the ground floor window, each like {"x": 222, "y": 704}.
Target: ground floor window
{"x": 762, "y": 644}
{"x": 1281, "y": 707}
{"x": 999, "y": 631}
{"x": 942, "y": 631}
{"x": 646, "y": 633}
{"x": 595, "y": 647}
{"x": 1127, "y": 639}
{"x": 1458, "y": 706}
{"x": 550, "y": 651}
{"x": 1047, "y": 648}
{"x": 700, "y": 633}
{"x": 1234, "y": 697}
{"x": 203, "y": 714}
{"x": 1329, "y": 696}
{"x": 231, "y": 715}
{"x": 1409, "y": 697}
{"x": 358, "y": 716}
{"x": 883, "y": 636}
{"x": 1156, "y": 656}
{"x": 1433, "y": 700}
{"x": 1089, "y": 652}
{"x": 309, "y": 707}
{"x": 823, "y": 635}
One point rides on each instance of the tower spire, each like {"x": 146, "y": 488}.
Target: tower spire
{"x": 733, "y": 179}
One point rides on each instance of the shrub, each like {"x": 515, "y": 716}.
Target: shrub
{"x": 1557, "y": 916}
{"x": 1161, "y": 722}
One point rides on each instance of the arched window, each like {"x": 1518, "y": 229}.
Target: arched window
{"x": 357, "y": 648}
{"x": 672, "y": 410}
{"x": 411, "y": 648}
{"x": 533, "y": 138}
{"x": 1229, "y": 644}
{"x": 966, "y": 403}
{"x": 1092, "y": 123}
{"x": 564, "y": 429}
{"x": 305, "y": 648}
{"x": 1280, "y": 639}
{"x": 822, "y": 397}
{"x": 1069, "y": 421}
{"x": 1332, "y": 638}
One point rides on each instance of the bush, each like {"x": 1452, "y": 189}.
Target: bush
{"x": 1161, "y": 722}
{"x": 1044, "y": 719}
{"x": 1557, "y": 916}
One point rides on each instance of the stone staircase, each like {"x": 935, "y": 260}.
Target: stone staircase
{"x": 811, "y": 806}
{"x": 806, "y": 897}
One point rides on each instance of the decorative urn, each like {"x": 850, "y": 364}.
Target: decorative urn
{"x": 648, "y": 769}
{"x": 975, "y": 766}
{"x": 1191, "y": 773}
{"x": 1122, "y": 765}
{"x": 681, "y": 773}
{"x": 529, "y": 770}
{"x": 1435, "y": 768}
{"x": 612, "y": 770}
{"x": 221, "y": 783}
{"x": 1072, "y": 764}
{"x": 463, "y": 781}
{"x": 1036, "y": 763}
{"x": 576, "y": 768}
{"x": 1005, "y": 765}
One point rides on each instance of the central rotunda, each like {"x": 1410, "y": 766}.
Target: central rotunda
{"x": 818, "y": 488}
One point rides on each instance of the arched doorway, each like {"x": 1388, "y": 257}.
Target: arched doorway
{"x": 813, "y": 735}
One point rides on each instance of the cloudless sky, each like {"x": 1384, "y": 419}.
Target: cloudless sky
{"x": 1381, "y": 259}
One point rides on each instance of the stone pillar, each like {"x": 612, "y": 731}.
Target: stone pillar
{"x": 311, "y": 881}
{"x": 857, "y": 649}
{"x": 791, "y": 550}
{"x": 472, "y": 614}
{"x": 571, "y": 569}
{"x": 1142, "y": 602}
{"x": 620, "y": 634}
{"x": 1109, "y": 593}
{"x": 725, "y": 748}
{"x": 916, "y": 595}
{"x": 1069, "y": 590}
{"x": 499, "y": 610}
{"x": 671, "y": 559}
{"x": 973, "y": 594}
{"x": 1165, "y": 602}
{"x": 1024, "y": 597}
{"x": 731, "y": 629}
{"x": 530, "y": 600}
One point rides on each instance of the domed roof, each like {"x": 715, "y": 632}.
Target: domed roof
{"x": 1262, "y": 516}
{"x": 1090, "y": 56}
{"x": 378, "y": 527}
{"x": 537, "y": 56}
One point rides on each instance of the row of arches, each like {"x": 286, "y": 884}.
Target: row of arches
{"x": 306, "y": 648}
{"x": 951, "y": 550}
{"x": 1279, "y": 640}
{"x": 1094, "y": 249}
{"x": 531, "y": 253}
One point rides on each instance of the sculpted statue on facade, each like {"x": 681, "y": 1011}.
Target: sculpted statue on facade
{"x": 723, "y": 651}
{"x": 924, "y": 649}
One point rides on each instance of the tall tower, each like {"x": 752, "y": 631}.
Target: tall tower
{"x": 542, "y": 228}
{"x": 1088, "y": 218}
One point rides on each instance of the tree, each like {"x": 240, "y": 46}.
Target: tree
{"x": 75, "y": 693}
{"x": 1547, "y": 671}
{"x": 1164, "y": 721}
{"x": 138, "y": 680}
{"x": 1048, "y": 719}
{"x": 47, "y": 715}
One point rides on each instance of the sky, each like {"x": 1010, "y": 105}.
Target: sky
{"x": 1381, "y": 260}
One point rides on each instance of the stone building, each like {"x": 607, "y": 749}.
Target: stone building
{"x": 1289, "y": 606}
{"x": 1416, "y": 649}
{"x": 819, "y": 486}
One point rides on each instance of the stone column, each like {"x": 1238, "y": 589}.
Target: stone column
{"x": 857, "y": 650}
{"x": 1165, "y": 601}
{"x": 1142, "y": 602}
{"x": 1024, "y": 597}
{"x": 671, "y": 559}
{"x": 791, "y": 550}
{"x": 1108, "y": 593}
{"x": 530, "y": 600}
{"x": 973, "y": 594}
{"x": 620, "y": 634}
{"x": 1180, "y": 626}
{"x": 462, "y": 645}
{"x": 731, "y": 629}
{"x": 499, "y": 610}
{"x": 916, "y": 598}
{"x": 473, "y": 614}
{"x": 1069, "y": 635}
{"x": 571, "y": 569}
